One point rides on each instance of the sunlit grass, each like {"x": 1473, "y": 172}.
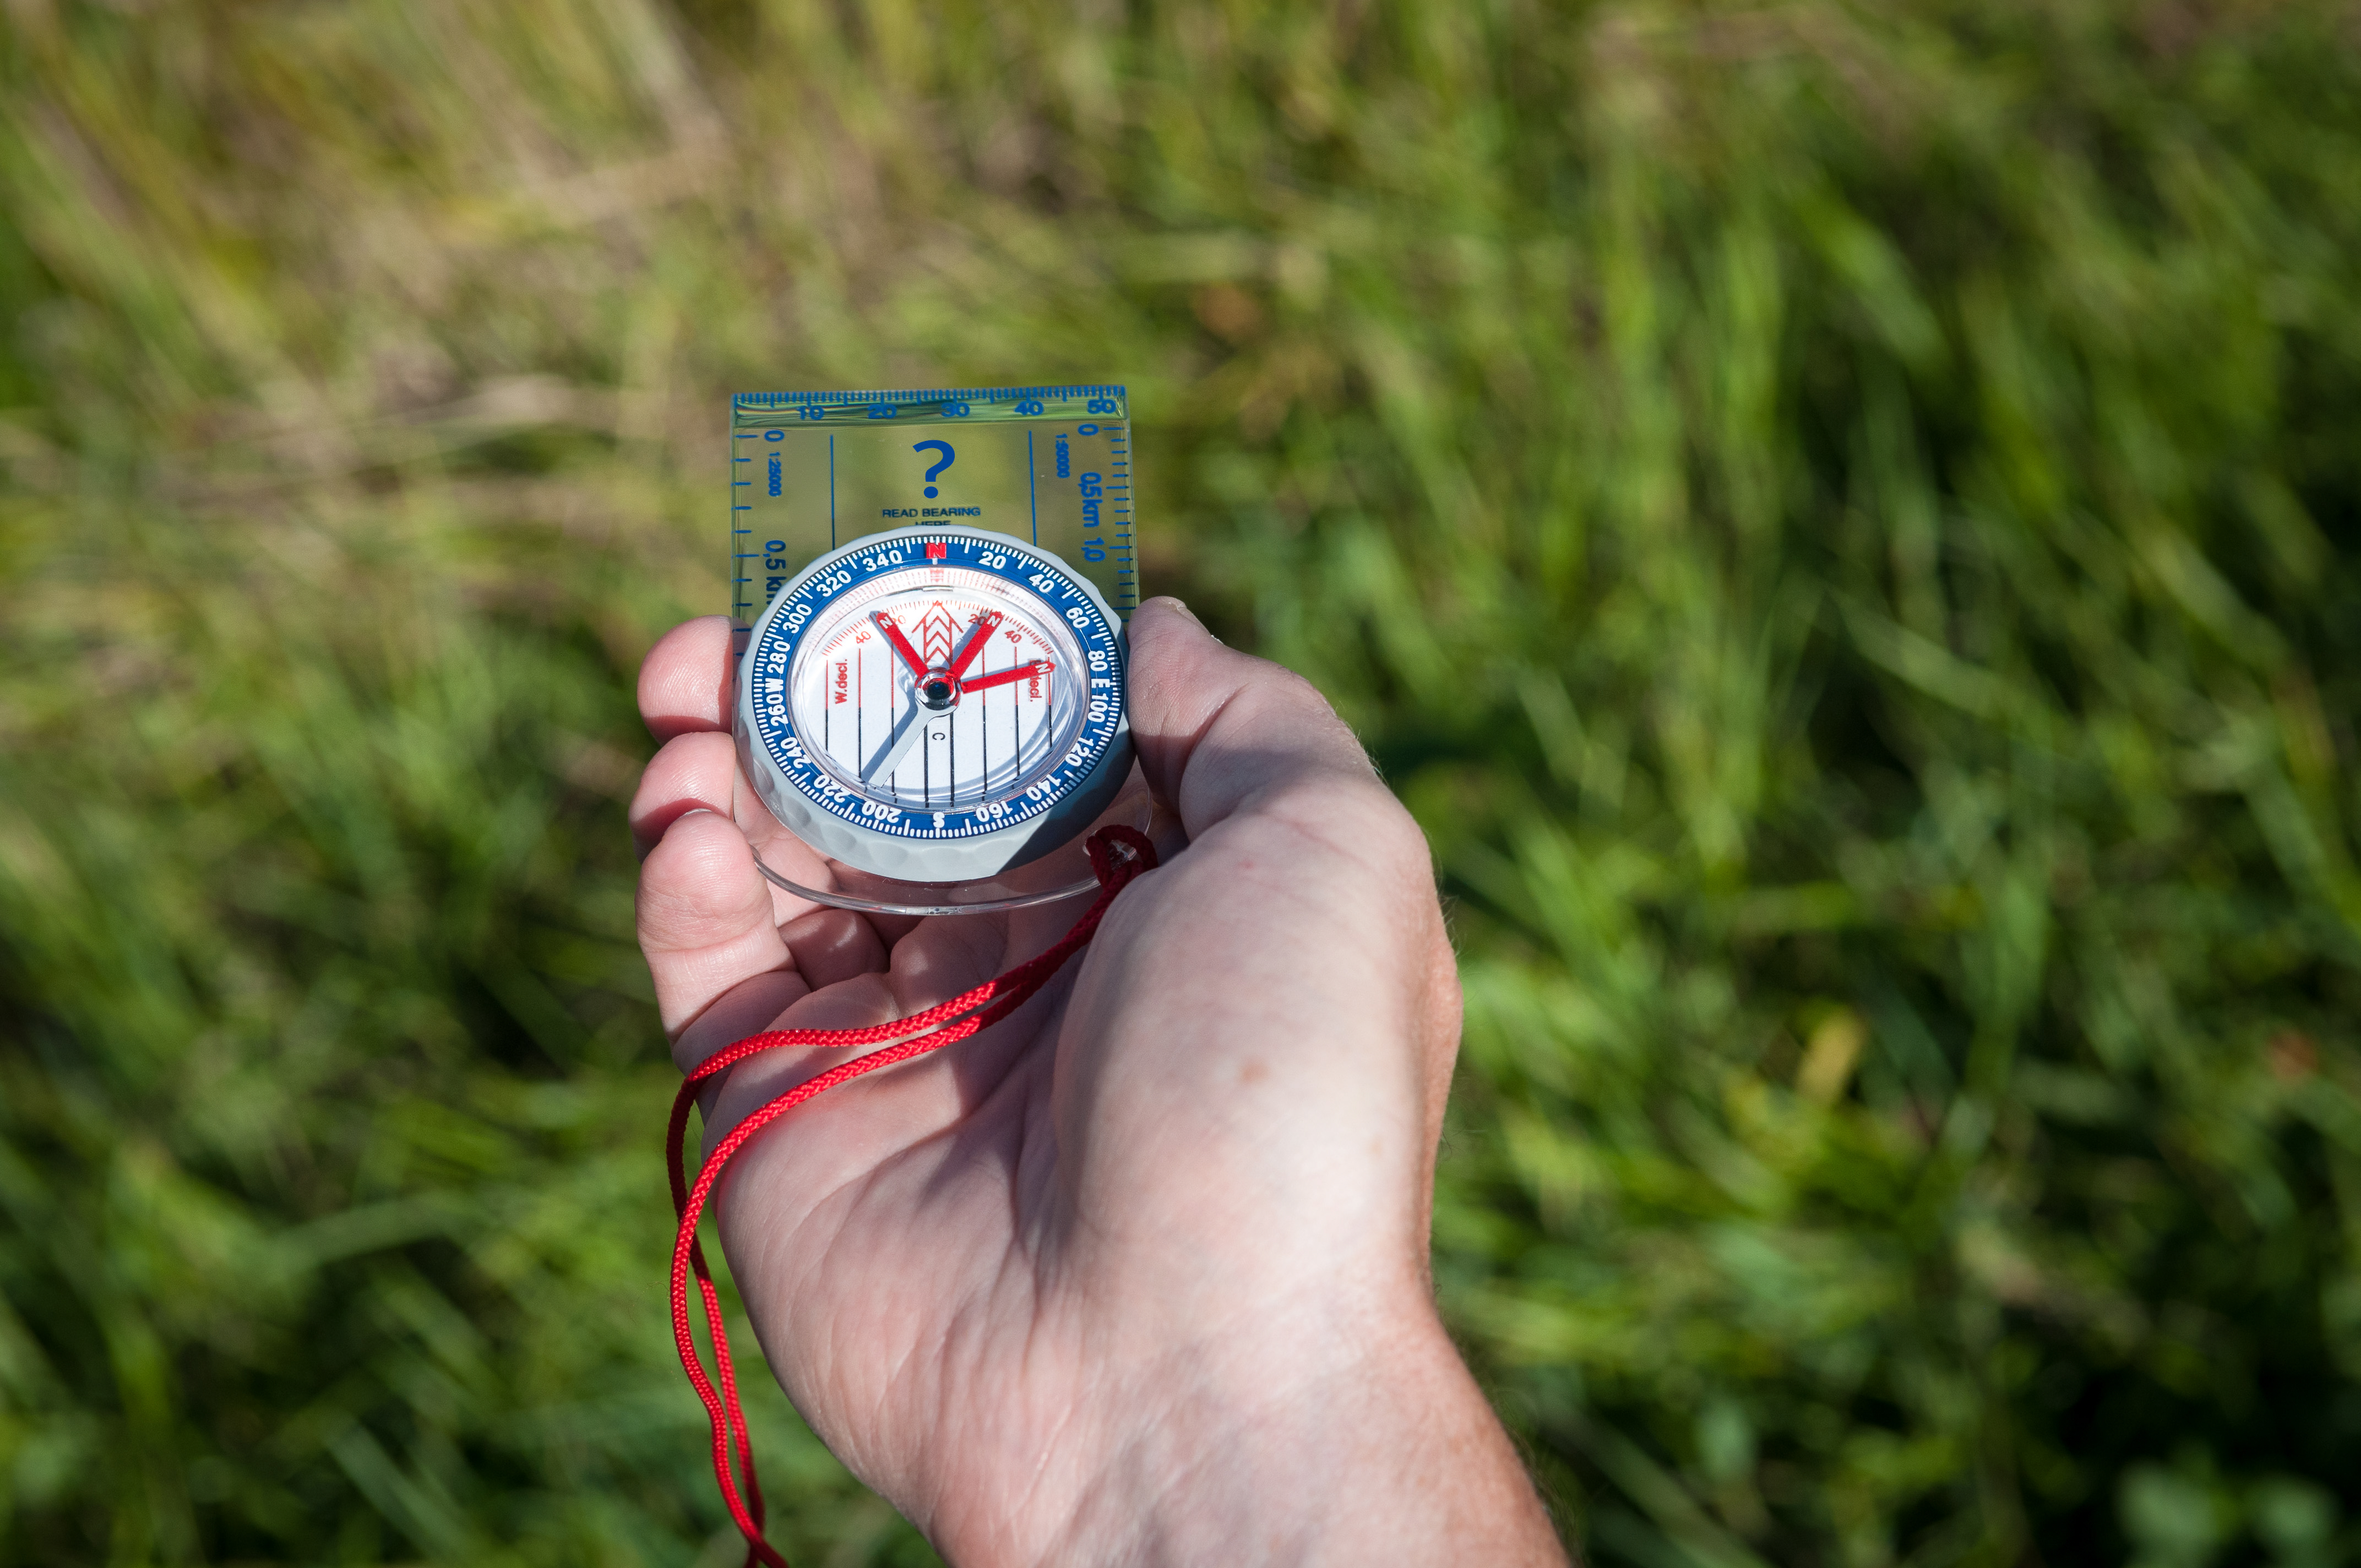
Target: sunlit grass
{"x": 1840, "y": 520}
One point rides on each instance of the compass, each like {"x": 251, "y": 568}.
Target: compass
{"x": 934, "y": 705}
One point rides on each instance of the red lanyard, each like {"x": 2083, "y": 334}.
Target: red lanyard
{"x": 1117, "y": 855}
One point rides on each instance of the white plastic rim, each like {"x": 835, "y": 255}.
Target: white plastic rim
{"x": 1062, "y": 875}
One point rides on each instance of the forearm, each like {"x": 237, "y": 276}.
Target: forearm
{"x": 1389, "y": 1456}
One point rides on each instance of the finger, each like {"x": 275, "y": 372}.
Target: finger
{"x": 685, "y": 679}
{"x": 747, "y": 1008}
{"x": 699, "y": 771}
{"x": 684, "y": 691}
{"x": 891, "y": 1111}
{"x": 693, "y": 771}
{"x": 834, "y": 945}
{"x": 706, "y": 919}
{"x": 858, "y": 1002}
{"x": 1216, "y": 728}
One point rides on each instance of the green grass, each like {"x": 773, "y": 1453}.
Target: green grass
{"x": 1844, "y": 521}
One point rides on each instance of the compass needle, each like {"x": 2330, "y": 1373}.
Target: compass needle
{"x": 985, "y": 624}
{"x": 1008, "y": 677}
{"x": 897, "y": 744}
{"x": 901, "y": 644}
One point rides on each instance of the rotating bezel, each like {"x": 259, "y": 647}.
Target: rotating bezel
{"x": 918, "y": 843}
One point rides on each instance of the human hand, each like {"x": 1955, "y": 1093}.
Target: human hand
{"x": 1139, "y": 1274}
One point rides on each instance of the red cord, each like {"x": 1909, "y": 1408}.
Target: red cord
{"x": 1117, "y": 856}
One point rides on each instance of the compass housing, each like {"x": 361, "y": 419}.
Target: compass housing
{"x": 826, "y": 695}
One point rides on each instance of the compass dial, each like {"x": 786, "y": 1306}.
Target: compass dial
{"x": 956, "y": 692}
{"x": 934, "y": 705}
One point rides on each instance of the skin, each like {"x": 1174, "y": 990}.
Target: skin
{"x": 1138, "y": 1275}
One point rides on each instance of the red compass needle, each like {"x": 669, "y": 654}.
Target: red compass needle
{"x": 1002, "y": 677}
{"x": 901, "y": 644}
{"x": 985, "y": 625}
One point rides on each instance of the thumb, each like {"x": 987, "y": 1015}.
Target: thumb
{"x": 1216, "y": 729}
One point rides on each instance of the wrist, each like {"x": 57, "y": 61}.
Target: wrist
{"x": 1300, "y": 1445}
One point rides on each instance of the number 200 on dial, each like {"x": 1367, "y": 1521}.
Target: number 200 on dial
{"x": 934, "y": 705}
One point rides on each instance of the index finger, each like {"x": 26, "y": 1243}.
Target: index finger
{"x": 684, "y": 680}
{"x": 685, "y": 692}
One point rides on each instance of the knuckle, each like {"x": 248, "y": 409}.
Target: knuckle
{"x": 696, "y": 768}
{"x": 685, "y": 880}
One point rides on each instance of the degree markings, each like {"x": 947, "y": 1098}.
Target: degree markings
{"x": 1051, "y": 760}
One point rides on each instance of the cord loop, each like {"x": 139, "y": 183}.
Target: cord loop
{"x": 1119, "y": 855}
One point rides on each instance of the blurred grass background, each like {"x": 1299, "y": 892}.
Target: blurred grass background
{"x": 1844, "y": 521}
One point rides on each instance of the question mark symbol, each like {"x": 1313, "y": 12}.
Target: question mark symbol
{"x": 944, "y": 461}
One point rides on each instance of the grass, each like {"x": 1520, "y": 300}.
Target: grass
{"x": 1843, "y": 522}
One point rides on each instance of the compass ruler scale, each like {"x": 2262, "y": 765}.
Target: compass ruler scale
{"x": 928, "y": 593}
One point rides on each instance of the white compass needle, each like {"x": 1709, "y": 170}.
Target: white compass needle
{"x": 897, "y": 745}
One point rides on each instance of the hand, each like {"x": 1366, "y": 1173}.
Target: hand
{"x": 1138, "y": 1275}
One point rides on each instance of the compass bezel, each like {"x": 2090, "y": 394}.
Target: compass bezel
{"x": 918, "y": 843}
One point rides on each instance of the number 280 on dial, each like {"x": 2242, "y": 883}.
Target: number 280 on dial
{"x": 935, "y": 705}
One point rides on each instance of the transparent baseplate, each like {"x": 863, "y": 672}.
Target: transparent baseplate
{"x": 1064, "y": 872}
